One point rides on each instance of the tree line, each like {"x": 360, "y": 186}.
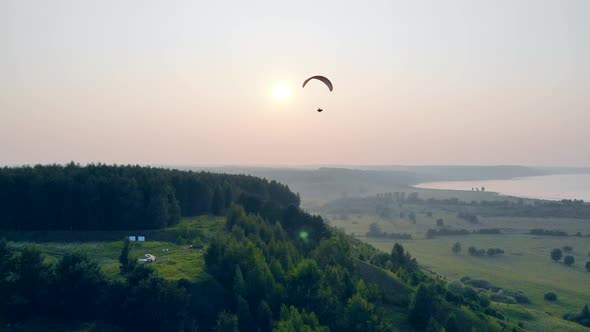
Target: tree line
{"x": 110, "y": 197}
{"x": 474, "y": 251}
{"x": 376, "y": 231}
{"x": 547, "y": 232}
{"x": 384, "y": 205}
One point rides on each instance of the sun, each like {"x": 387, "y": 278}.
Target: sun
{"x": 281, "y": 91}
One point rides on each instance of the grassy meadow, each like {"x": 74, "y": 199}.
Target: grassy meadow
{"x": 525, "y": 266}
{"x": 359, "y": 224}
{"x": 175, "y": 259}
{"x": 178, "y": 262}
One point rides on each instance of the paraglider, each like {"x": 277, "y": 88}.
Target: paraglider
{"x": 323, "y": 79}
{"x": 320, "y": 78}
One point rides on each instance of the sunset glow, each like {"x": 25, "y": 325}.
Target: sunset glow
{"x": 281, "y": 91}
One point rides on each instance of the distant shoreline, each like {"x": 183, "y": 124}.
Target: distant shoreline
{"x": 553, "y": 187}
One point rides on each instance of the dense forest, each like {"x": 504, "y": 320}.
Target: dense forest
{"x": 104, "y": 197}
{"x": 273, "y": 267}
{"x": 260, "y": 276}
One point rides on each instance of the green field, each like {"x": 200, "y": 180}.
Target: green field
{"x": 525, "y": 266}
{"x": 359, "y": 224}
{"x": 182, "y": 259}
{"x": 178, "y": 262}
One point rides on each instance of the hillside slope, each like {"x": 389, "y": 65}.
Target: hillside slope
{"x": 278, "y": 269}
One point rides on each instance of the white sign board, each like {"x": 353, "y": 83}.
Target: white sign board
{"x": 141, "y": 238}
{"x": 132, "y": 238}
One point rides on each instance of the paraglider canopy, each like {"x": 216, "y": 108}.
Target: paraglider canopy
{"x": 320, "y": 78}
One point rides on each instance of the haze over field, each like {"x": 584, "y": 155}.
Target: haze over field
{"x": 429, "y": 82}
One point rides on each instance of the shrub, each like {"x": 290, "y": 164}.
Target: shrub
{"x": 375, "y": 231}
{"x": 472, "y": 218}
{"x": 556, "y": 254}
{"x": 494, "y": 313}
{"x": 569, "y": 260}
{"x": 473, "y": 251}
{"x": 495, "y": 251}
{"x": 547, "y": 232}
{"x": 431, "y": 233}
{"x": 488, "y": 231}
{"x": 454, "y": 298}
{"x": 484, "y": 301}
{"x": 521, "y": 298}
{"x": 550, "y": 296}
{"x": 455, "y": 286}
{"x": 502, "y": 298}
{"x": 582, "y": 318}
{"x": 456, "y": 248}
{"x": 479, "y": 283}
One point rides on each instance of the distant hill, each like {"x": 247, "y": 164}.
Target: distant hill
{"x": 565, "y": 170}
{"x": 324, "y": 184}
{"x": 320, "y": 185}
{"x": 466, "y": 173}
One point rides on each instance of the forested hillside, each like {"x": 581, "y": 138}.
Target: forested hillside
{"x": 104, "y": 197}
{"x": 272, "y": 267}
{"x": 292, "y": 275}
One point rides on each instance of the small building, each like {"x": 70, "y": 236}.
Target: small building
{"x": 141, "y": 238}
{"x": 132, "y": 238}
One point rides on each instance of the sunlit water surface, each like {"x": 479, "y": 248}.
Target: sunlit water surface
{"x": 552, "y": 187}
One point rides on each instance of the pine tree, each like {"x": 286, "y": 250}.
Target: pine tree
{"x": 452, "y": 324}
{"x": 218, "y": 203}
{"x": 5, "y": 257}
{"x": 126, "y": 263}
{"x": 424, "y": 306}
{"x": 226, "y": 322}
{"x": 245, "y": 320}
{"x": 239, "y": 285}
{"x": 264, "y": 317}
{"x": 434, "y": 326}
{"x": 398, "y": 258}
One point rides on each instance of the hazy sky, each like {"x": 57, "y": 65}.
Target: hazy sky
{"x": 189, "y": 82}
